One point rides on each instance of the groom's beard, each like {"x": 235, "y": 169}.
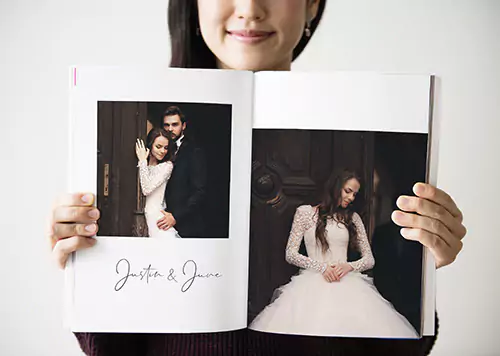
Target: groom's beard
{"x": 175, "y": 137}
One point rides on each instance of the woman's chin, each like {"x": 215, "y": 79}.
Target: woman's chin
{"x": 254, "y": 63}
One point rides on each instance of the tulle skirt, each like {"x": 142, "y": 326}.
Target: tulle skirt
{"x": 309, "y": 305}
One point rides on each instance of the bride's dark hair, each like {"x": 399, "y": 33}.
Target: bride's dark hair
{"x": 330, "y": 207}
{"x": 189, "y": 50}
{"x": 153, "y": 135}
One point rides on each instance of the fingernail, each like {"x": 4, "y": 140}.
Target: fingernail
{"x": 396, "y": 214}
{"x": 87, "y": 198}
{"x": 90, "y": 228}
{"x": 404, "y": 232}
{"x": 403, "y": 202}
{"x": 94, "y": 214}
{"x": 419, "y": 189}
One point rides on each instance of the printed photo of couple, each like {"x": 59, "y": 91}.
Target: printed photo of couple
{"x": 326, "y": 258}
{"x": 164, "y": 169}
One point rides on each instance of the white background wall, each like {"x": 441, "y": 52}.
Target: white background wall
{"x": 457, "y": 40}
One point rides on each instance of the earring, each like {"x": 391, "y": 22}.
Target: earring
{"x": 307, "y": 30}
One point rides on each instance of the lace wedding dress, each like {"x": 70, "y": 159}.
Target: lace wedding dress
{"x": 309, "y": 305}
{"x": 153, "y": 183}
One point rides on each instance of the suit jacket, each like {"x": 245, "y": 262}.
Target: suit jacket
{"x": 186, "y": 189}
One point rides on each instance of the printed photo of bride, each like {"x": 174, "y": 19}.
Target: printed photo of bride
{"x": 166, "y": 189}
{"x": 335, "y": 290}
{"x": 155, "y": 169}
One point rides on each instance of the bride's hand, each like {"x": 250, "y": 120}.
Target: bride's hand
{"x": 330, "y": 275}
{"x": 342, "y": 269}
{"x": 74, "y": 221}
{"x": 141, "y": 152}
{"x": 437, "y": 223}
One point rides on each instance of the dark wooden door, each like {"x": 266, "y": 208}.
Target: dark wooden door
{"x": 118, "y": 195}
{"x": 289, "y": 169}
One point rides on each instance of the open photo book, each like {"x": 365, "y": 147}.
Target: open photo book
{"x": 233, "y": 199}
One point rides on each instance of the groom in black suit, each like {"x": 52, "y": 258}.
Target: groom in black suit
{"x": 186, "y": 188}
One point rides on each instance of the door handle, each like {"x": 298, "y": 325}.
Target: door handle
{"x": 106, "y": 179}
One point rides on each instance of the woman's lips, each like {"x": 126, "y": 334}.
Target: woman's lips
{"x": 250, "y": 36}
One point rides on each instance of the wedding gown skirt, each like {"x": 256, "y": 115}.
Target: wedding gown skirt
{"x": 154, "y": 205}
{"x": 309, "y": 305}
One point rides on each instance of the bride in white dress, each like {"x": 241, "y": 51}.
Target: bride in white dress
{"x": 155, "y": 168}
{"x": 330, "y": 296}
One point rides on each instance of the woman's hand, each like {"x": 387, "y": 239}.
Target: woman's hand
{"x": 330, "y": 275}
{"x": 342, "y": 269}
{"x": 437, "y": 223}
{"x": 141, "y": 152}
{"x": 73, "y": 223}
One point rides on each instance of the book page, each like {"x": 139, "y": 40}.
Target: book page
{"x": 332, "y": 152}
{"x": 167, "y": 153}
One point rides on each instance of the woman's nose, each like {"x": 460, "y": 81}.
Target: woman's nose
{"x": 252, "y": 10}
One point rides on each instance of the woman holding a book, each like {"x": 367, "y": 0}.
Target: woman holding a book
{"x": 255, "y": 35}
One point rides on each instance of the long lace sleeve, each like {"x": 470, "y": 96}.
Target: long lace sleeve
{"x": 302, "y": 221}
{"x": 366, "y": 261}
{"x": 152, "y": 177}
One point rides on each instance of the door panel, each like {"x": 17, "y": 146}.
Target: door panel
{"x": 119, "y": 125}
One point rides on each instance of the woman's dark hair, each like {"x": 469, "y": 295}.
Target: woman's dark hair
{"x": 189, "y": 50}
{"x": 153, "y": 135}
{"x": 330, "y": 208}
